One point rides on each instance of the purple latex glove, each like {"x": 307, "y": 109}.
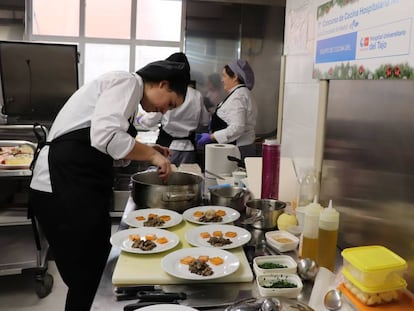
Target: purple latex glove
{"x": 139, "y": 119}
{"x": 204, "y": 139}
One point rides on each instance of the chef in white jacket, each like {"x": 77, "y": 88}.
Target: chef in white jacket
{"x": 178, "y": 126}
{"x": 72, "y": 179}
{"x": 234, "y": 120}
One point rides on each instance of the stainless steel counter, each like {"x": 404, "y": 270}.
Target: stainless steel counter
{"x": 207, "y": 294}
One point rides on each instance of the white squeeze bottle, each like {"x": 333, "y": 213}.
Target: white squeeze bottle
{"x": 328, "y": 237}
{"x": 310, "y": 233}
{"x": 308, "y": 189}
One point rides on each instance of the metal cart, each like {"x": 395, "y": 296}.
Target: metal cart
{"x": 22, "y": 243}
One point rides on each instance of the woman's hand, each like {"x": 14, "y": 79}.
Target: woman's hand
{"x": 163, "y": 164}
{"x": 142, "y": 152}
{"x": 163, "y": 150}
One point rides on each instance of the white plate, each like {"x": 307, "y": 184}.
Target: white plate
{"x": 131, "y": 220}
{"x": 121, "y": 240}
{"x": 231, "y": 214}
{"x": 194, "y": 238}
{"x": 167, "y": 307}
{"x": 172, "y": 265}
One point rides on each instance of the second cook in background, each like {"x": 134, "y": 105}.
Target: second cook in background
{"x": 178, "y": 126}
{"x": 234, "y": 120}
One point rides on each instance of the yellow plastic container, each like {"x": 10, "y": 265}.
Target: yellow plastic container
{"x": 395, "y": 283}
{"x": 384, "y": 293}
{"x": 373, "y": 266}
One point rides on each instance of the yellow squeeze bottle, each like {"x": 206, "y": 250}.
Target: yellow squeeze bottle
{"x": 328, "y": 237}
{"x": 310, "y": 234}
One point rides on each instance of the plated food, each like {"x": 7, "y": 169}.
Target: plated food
{"x": 153, "y": 217}
{"x": 211, "y": 214}
{"x": 200, "y": 263}
{"x": 218, "y": 236}
{"x": 144, "y": 240}
{"x": 16, "y": 157}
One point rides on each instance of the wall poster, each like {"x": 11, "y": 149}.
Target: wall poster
{"x": 364, "y": 39}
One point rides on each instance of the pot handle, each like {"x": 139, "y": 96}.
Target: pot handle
{"x": 252, "y": 219}
{"x": 177, "y": 196}
{"x": 242, "y": 193}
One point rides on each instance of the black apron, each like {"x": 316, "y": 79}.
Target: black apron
{"x": 165, "y": 139}
{"x": 76, "y": 218}
{"x": 89, "y": 172}
{"x": 218, "y": 123}
{"x": 76, "y": 169}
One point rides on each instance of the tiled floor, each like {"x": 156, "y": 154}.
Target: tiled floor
{"x": 17, "y": 292}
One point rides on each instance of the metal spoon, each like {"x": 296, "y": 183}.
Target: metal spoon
{"x": 269, "y": 305}
{"x": 307, "y": 269}
{"x": 333, "y": 300}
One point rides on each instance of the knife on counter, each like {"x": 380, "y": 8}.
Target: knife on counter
{"x": 136, "y": 288}
{"x": 154, "y": 296}
{"x": 130, "y": 292}
{"x": 197, "y": 305}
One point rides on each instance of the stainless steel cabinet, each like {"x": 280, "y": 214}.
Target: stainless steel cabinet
{"x": 22, "y": 244}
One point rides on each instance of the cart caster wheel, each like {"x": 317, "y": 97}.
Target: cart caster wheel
{"x": 44, "y": 285}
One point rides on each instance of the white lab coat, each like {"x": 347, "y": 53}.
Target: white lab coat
{"x": 181, "y": 121}
{"x": 239, "y": 111}
{"x": 105, "y": 104}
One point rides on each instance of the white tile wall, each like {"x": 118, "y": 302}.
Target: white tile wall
{"x": 299, "y": 123}
{"x": 301, "y": 92}
{"x": 299, "y": 68}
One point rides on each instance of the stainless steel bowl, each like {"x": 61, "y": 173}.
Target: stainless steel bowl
{"x": 234, "y": 197}
{"x": 180, "y": 192}
{"x": 263, "y": 213}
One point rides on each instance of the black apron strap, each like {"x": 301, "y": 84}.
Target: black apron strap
{"x": 41, "y": 136}
{"x": 165, "y": 139}
{"x": 228, "y": 95}
{"x": 218, "y": 123}
{"x": 132, "y": 130}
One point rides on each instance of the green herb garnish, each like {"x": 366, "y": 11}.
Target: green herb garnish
{"x": 281, "y": 283}
{"x": 271, "y": 265}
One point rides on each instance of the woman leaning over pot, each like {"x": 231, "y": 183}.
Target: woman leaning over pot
{"x": 73, "y": 174}
{"x": 234, "y": 120}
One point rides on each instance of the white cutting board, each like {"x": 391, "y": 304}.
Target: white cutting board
{"x": 138, "y": 269}
{"x": 288, "y": 183}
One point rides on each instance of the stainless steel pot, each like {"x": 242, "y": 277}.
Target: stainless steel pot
{"x": 180, "y": 192}
{"x": 263, "y": 213}
{"x": 234, "y": 197}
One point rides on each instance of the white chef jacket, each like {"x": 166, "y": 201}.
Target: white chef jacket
{"x": 239, "y": 111}
{"x": 181, "y": 121}
{"x": 105, "y": 104}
